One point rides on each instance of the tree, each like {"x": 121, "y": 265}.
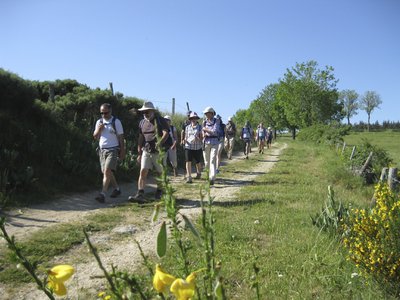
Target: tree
{"x": 309, "y": 96}
{"x": 349, "y": 98}
{"x": 369, "y": 102}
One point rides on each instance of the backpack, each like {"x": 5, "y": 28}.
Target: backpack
{"x": 246, "y": 133}
{"x": 230, "y": 129}
{"x": 152, "y": 144}
{"x": 112, "y": 123}
{"x": 220, "y": 128}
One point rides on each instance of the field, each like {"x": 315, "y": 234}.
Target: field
{"x": 388, "y": 140}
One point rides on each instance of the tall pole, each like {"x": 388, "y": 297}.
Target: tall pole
{"x": 111, "y": 88}
{"x": 173, "y": 106}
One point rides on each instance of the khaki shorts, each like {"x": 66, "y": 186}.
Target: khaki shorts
{"x": 108, "y": 159}
{"x": 150, "y": 160}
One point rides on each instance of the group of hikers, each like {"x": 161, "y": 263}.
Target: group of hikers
{"x": 203, "y": 144}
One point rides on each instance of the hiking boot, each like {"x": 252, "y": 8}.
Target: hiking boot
{"x": 211, "y": 182}
{"x": 115, "y": 193}
{"x": 158, "y": 194}
{"x": 100, "y": 198}
{"x": 138, "y": 198}
{"x": 198, "y": 175}
{"x": 189, "y": 180}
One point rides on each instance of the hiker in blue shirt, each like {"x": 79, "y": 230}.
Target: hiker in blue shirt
{"x": 261, "y": 135}
{"x": 221, "y": 136}
{"x": 210, "y": 142}
{"x": 246, "y": 136}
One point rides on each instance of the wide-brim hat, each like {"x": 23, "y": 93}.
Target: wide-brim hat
{"x": 209, "y": 109}
{"x": 193, "y": 115}
{"x": 269, "y": 128}
{"x": 147, "y": 106}
{"x": 167, "y": 117}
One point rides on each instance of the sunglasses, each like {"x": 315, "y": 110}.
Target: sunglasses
{"x": 104, "y": 112}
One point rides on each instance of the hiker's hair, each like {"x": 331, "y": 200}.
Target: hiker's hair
{"x": 107, "y": 105}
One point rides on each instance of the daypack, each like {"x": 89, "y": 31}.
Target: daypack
{"x": 230, "y": 129}
{"x": 150, "y": 138}
{"x": 246, "y": 133}
{"x": 112, "y": 123}
{"x": 220, "y": 128}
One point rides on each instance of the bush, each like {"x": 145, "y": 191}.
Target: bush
{"x": 326, "y": 134}
{"x": 373, "y": 237}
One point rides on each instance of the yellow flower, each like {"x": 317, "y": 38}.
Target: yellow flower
{"x": 162, "y": 280}
{"x": 184, "y": 289}
{"x": 57, "y": 276}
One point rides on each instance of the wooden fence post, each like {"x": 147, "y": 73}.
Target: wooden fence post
{"x": 364, "y": 167}
{"x": 392, "y": 179}
{"x": 344, "y": 147}
{"x": 384, "y": 175}
{"x": 352, "y": 152}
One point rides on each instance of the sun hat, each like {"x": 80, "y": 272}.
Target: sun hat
{"x": 147, "y": 106}
{"x": 193, "y": 115}
{"x": 229, "y": 119}
{"x": 167, "y": 117}
{"x": 209, "y": 109}
{"x": 269, "y": 128}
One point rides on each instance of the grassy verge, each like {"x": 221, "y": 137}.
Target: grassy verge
{"x": 271, "y": 227}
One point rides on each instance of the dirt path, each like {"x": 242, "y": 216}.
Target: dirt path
{"x": 121, "y": 253}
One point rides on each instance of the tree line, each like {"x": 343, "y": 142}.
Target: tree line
{"x": 307, "y": 95}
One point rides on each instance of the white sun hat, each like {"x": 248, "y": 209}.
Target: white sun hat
{"x": 147, "y": 106}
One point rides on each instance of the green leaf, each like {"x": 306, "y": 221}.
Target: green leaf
{"x": 162, "y": 240}
{"x": 191, "y": 227}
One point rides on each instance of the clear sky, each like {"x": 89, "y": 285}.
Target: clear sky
{"x": 218, "y": 53}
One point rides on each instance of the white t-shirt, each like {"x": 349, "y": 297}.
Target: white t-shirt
{"x": 108, "y": 136}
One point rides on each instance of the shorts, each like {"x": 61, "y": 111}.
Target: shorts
{"x": 194, "y": 155}
{"x": 108, "y": 159}
{"x": 150, "y": 160}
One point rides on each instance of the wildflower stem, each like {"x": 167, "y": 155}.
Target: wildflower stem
{"x": 27, "y": 265}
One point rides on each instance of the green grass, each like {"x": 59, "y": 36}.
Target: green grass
{"x": 271, "y": 226}
{"x": 388, "y": 140}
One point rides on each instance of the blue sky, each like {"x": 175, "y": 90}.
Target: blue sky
{"x": 215, "y": 53}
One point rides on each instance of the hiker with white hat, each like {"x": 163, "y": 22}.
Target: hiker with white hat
{"x": 193, "y": 141}
{"x": 153, "y": 135}
{"x": 261, "y": 135}
{"x": 230, "y": 132}
{"x": 211, "y": 142}
{"x": 171, "y": 153}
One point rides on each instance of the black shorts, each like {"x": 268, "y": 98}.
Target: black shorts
{"x": 194, "y": 155}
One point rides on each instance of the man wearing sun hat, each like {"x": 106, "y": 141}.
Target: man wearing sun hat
{"x": 153, "y": 133}
{"x": 211, "y": 142}
{"x": 193, "y": 141}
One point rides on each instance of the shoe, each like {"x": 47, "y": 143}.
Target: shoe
{"x": 138, "y": 198}
{"x": 101, "y": 198}
{"x": 198, "y": 175}
{"x": 115, "y": 193}
{"x": 217, "y": 171}
{"x": 158, "y": 194}
{"x": 247, "y": 157}
{"x": 189, "y": 180}
{"x": 211, "y": 182}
